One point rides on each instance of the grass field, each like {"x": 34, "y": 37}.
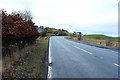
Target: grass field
{"x": 50, "y": 34}
{"x": 99, "y": 36}
{"x": 100, "y": 40}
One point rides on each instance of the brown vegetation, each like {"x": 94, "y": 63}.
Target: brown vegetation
{"x": 100, "y": 41}
{"x": 29, "y": 62}
{"x": 16, "y": 32}
{"x": 19, "y": 44}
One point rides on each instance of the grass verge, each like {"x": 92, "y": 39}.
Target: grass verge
{"x": 31, "y": 66}
{"x": 103, "y": 42}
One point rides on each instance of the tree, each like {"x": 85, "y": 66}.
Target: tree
{"x": 42, "y": 31}
{"x": 46, "y": 29}
{"x": 14, "y": 28}
{"x": 26, "y": 15}
{"x": 74, "y": 34}
{"x": 79, "y": 35}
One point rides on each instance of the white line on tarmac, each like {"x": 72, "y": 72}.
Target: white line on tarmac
{"x": 49, "y": 52}
{"x": 49, "y": 58}
{"x": 83, "y": 50}
{"x": 49, "y": 76}
{"x": 116, "y": 65}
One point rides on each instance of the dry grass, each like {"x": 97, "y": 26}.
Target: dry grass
{"x": 99, "y": 42}
{"x": 30, "y": 65}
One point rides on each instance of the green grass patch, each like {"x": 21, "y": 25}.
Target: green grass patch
{"x": 100, "y": 36}
{"x": 50, "y": 34}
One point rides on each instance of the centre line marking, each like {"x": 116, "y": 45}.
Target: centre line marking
{"x": 116, "y": 65}
{"x": 83, "y": 50}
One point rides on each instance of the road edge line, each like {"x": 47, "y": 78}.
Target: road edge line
{"x": 49, "y": 60}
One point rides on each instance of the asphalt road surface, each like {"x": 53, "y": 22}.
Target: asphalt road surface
{"x": 76, "y": 60}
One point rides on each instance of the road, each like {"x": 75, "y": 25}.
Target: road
{"x": 76, "y": 60}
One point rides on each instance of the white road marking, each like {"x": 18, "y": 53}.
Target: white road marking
{"x": 50, "y": 52}
{"x": 83, "y": 50}
{"x": 49, "y": 76}
{"x": 116, "y": 65}
{"x": 114, "y": 51}
{"x": 49, "y": 58}
{"x": 76, "y": 47}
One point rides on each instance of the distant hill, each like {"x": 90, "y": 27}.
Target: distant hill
{"x": 57, "y": 32}
{"x": 100, "y": 36}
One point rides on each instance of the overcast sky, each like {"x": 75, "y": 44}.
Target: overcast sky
{"x": 86, "y": 16}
